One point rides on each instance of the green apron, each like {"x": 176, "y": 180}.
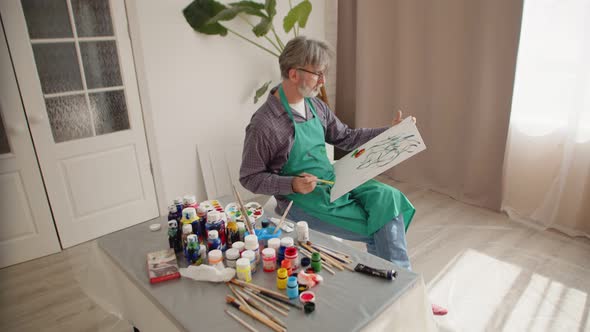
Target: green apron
{"x": 364, "y": 210}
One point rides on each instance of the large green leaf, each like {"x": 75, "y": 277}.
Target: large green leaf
{"x": 271, "y": 8}
{"x": 298, "y": 14}
{"x": 198, "y": 14}
{"x": 249, "y": 7}
{"x": 260, "y": 92}
{"x": 225, "y": 15}
{"x": 263, "y": 27}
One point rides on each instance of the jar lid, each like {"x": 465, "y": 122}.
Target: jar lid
{"x": 187, "y": 228}
{"x": 215, "y": 255}
{"x": 301, "y": 225}
{"x": 189, "y": 199}
{"x": 232, "y": 253}
{"x": 305, "y": 261}
{"x": 202, "y": 211}
{"x": 291, "y": 251}
{"x": 178, "y": 200}
{"x": 213, "y": 234}
{"x": 275, "y": 242}
{"x": 287, "y": 241}
{"x": 307, "y": 296}
{"x": 268, "y": 252}
{"x": 286, "y": 264}
{"x": 251, "y": 255}
{"x": 213, "y": 216}
{"x": 238, "y": 245}
{"x": 243, "y": 263}
{"x": 292, "y": 281}
{"x": 251, "y": 241}
{"x": 172, "y": 208}
{"x": 189, "y": 213}
{"x": 282, "y": 272}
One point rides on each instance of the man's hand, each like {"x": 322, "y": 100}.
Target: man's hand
{"x": 304, "y": 183}
{"x": 399, "y": 119}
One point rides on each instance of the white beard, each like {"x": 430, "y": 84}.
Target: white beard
{"x": 308, "y": 92}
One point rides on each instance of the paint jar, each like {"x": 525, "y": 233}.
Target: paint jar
{"x": 274, "y": 243}
{"x": 215, "y": 257}
{"x": 302, "y": 231}
{"x": 269, "y": 260}
{"x": 174, "y": 213}
{"x": 265, "y": 222}
{"x": 305, "y": 261}
{"x": 292, "y": 255}
{"x": 316, "y": 262}
{"x": 189, "y": 215}
{"x": 292, "y": 288}
{"x": 231, "y": 256}
{"x": 243, "y": 271}
{"x": 287, "y": 242}
{"x": 187, "y": 230}
{"x": 282, "y": 275}
{"x": 232, "y": 231}
{"x": 213, "y": 241}
{"x": 239, "y": 245}
{"x": 280, "y": 255}
{"x": 202, "y": 215}
{"x": 251, "y": 243}
{"x": 251, "y": 256}
{"x": 286, "y": 264}
{"x": 192, "y": 249}
{"x": 215, "y": 222}
{"x": 190, "y": 201}
{"x": 202, "y": 254}
{"x": 179, "y": 205}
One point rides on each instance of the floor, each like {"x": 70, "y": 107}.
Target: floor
{"x": 492, "y": 274}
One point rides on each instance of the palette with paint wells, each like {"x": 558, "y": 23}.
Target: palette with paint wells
{"x": 254, "y": 209}
{"x": 212, "y": 205}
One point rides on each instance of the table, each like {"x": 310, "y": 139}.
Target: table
{"x": 347, "y": 301}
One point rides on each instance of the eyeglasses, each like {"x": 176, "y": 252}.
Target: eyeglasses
{"x": 319, "y": 74}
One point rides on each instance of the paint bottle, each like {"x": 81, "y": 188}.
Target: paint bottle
{"x": 189, "y": 217}
{"x": 251, "y": 242}
{"x": 286, "y": 264}
{"x": 282, "y": 275}
{"x": 274, "y": 243}
{"x": 305, "y": 262}
{"x": 292, "y": 288}
{"x": 302, "y": 231}
{"x": 174, "y": 213}
{"x": 215, "y": 222}
{"x": 173, "y": 236}
{"x": 202, "y": 254}
{"x": 187, "y": 230}
{"x": 241, "y": 230}
{"x": 239, "y": 245}
{"x": 231, "y": 256}
{"x": 287, "y": 242}
{"x": 269, "y": 260}
{"x": 249, "y": 254}
{"x": 190, "y": 201}
{"x": 192, "y": 249}
{"x": 202, "y": 215}
{"x": 215, "y": 257}
{"x": 265, "y": 223}
{"x": 213, "y": 241}
{"x": 243, "y": 269}
{"x": 316, "y": 262}
{"x": 291, "y": 254}
{"x": 233, "y": 234}
{"x": 280, "y": 255}
{"x": 179, "y": 205}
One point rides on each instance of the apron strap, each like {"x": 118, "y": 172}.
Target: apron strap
{"x": 288, "y": 108}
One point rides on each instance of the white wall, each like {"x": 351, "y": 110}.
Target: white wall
{"x": 197, "y": 88}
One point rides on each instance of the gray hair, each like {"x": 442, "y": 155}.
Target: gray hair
{"x": 301, "y": 51}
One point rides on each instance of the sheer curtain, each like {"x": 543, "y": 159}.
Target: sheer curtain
{"x": 547, "y": 161}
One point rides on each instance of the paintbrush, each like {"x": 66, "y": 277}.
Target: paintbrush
{"x": 252, "y": 302}
{"x": 232, "y": 301}
{"x": 241, "y": 321}
{"x": 268, "y": 303}
{"x": 320, "y": 180}
{"x": 243, "y": 210}
{"x": 283, "y": 218}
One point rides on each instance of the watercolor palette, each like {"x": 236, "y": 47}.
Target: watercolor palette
{"x": 212, "y": 205}
{"x": 254, "y": 209}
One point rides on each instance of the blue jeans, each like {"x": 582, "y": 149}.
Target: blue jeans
{"x": 389, "y": 242}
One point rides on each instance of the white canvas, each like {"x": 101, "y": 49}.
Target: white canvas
{"x": 393, "y": 146}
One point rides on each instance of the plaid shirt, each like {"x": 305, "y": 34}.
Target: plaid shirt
{"x": 269, "y": 139}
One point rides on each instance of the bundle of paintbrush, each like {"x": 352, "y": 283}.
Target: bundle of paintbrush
{"x": 331, "y": 258}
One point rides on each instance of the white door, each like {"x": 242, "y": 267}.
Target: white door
{"x": 26, "y": 225}
{"x": 74, "y": 65}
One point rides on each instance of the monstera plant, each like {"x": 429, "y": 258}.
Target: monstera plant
{"x": 210, "y": 17}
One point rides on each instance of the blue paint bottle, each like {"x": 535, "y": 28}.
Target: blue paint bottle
{"x": 292, "y": 288}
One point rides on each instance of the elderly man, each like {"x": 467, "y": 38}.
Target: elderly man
{"x": 284, "y": 155}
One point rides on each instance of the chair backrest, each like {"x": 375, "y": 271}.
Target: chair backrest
{"x": 220, "y": 164}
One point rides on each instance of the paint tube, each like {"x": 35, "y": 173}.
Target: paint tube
{"x": 387, "y": 274}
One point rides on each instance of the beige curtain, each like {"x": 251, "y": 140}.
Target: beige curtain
{"x": 449, "y": 63}
{"x": 547, "y": 177}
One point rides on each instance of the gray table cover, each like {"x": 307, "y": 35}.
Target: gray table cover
{"x": 346, "y": 301}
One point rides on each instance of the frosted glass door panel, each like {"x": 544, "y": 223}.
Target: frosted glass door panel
{"x": 47, "y": 18}
{"x": 68, "y": 117}
{"x": 101, "y": 64}
{"x": 93, "y": 18}
{"x": 57, "y": 65}
{"x": 109, "y": 111}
